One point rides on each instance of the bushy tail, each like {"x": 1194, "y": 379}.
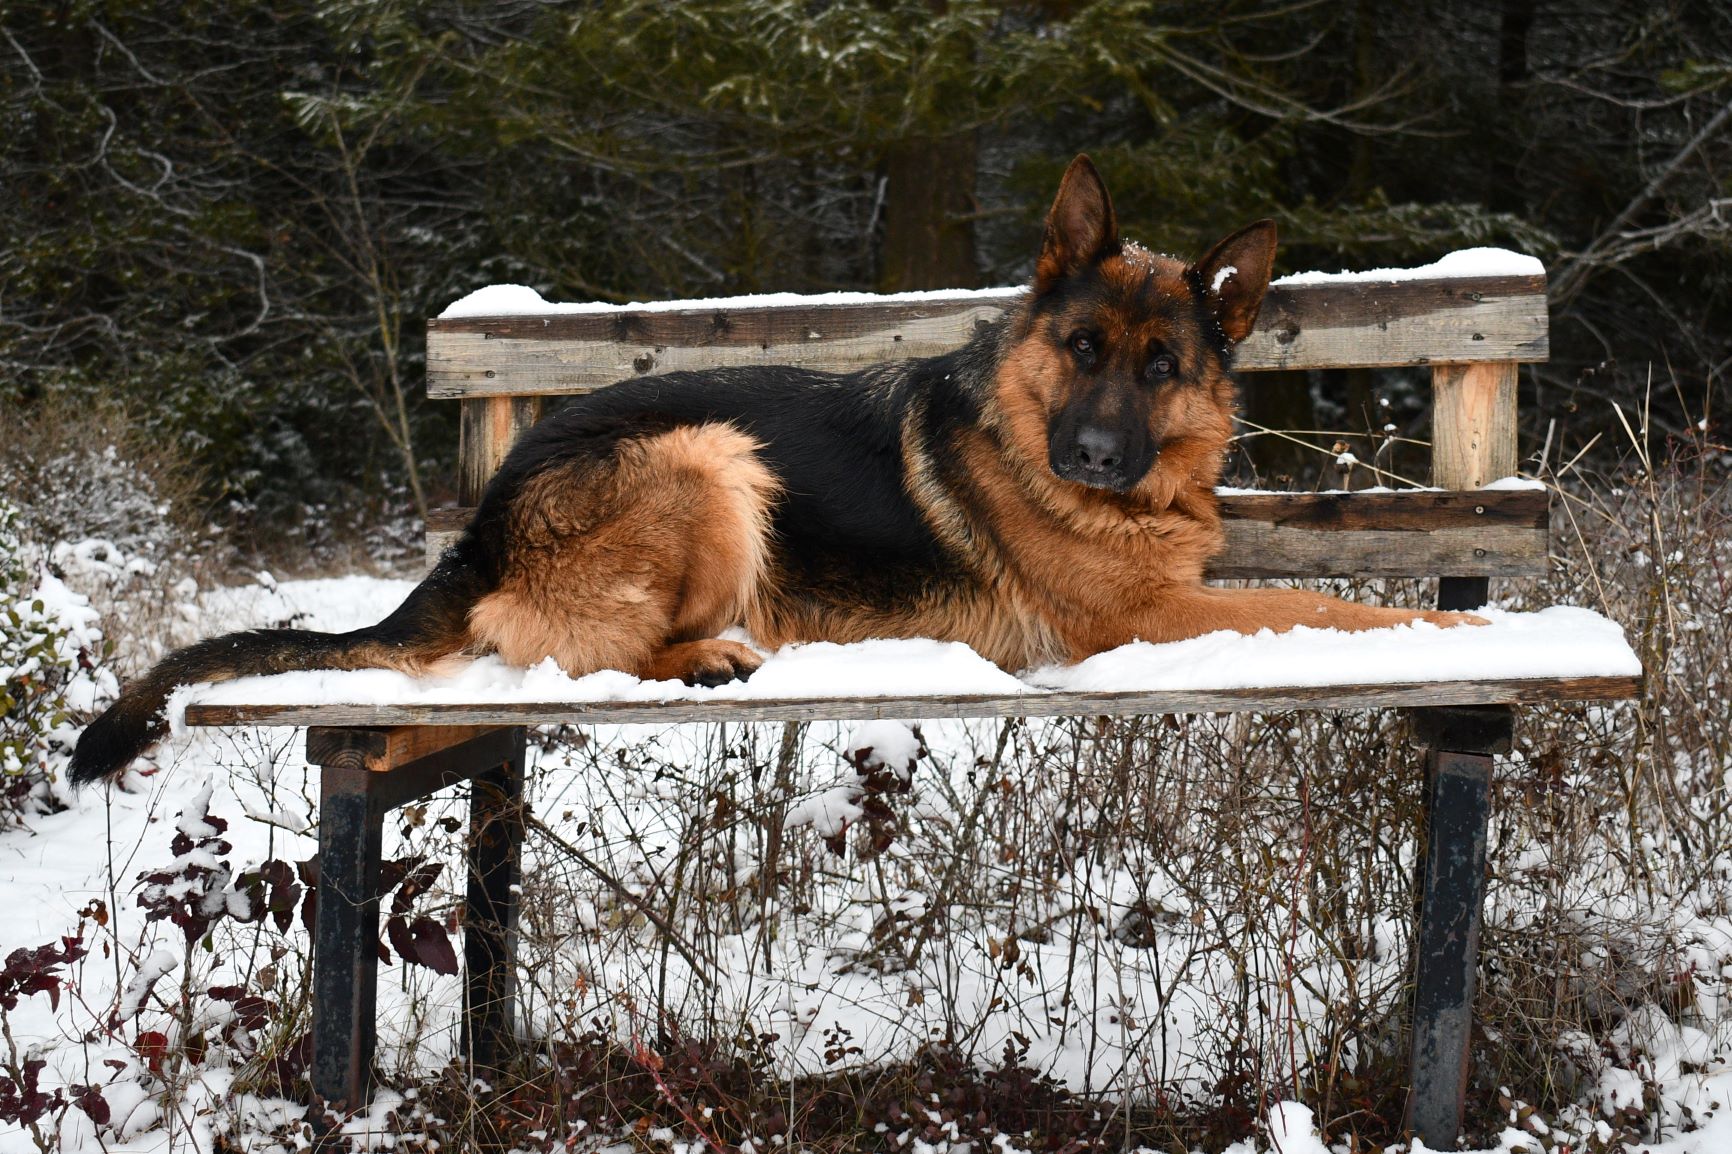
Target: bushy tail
{"x": 431, "y": 623}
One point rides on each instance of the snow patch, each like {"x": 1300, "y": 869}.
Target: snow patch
{"x": 132, "y": 1108}
{"x": 1562, "y": 641}
{"x": 1461, "y": 263}
{"x": 890, "y": 744}
{"x": 192, "y": 819}
{"x": 1500, "y": 483}
{"x": 817, "y": 669}
{"x": 520, "y": 300}
{"x": 150, "y": 971}
{"x": 828, "y": 813}
{"x": 1293, "y": 1130}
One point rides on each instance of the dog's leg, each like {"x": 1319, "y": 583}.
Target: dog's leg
{"x": 1193, "y": 611}
{"x": 638, "y": 561}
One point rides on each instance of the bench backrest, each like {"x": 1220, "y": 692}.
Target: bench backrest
{"x": 1471, "y": 330}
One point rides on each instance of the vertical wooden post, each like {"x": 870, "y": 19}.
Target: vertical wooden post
{"x": 1473, "y": 442}
{"x": 488, "y": 427}
{"x": 1473, "y": 424}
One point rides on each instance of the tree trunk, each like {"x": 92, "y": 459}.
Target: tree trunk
{"x": 1361, "y": 170}
{"x": 928, "y": 215}
{"x": 1505, "y": 194}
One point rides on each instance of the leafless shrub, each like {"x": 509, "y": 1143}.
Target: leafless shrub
{"x": 1181, "y": 920}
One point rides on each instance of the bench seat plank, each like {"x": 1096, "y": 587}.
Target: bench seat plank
{"x": 1512, "y": 691}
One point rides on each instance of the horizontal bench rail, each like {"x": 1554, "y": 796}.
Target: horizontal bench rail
{"x": 1413, "y": 533}
{"x": 1393, "y": 695}
{"x": 1361, "y": 323}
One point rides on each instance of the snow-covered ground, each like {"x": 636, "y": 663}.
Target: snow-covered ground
{"x": 994, "y": 918}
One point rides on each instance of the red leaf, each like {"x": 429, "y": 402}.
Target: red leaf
{"x": 90, "y": 1100}
{"x": 397, "y": 933}
{"x": 152, "y": 1046}
{"x": 431, "y": 946}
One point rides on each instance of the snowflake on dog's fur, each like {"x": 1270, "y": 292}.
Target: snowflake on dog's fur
{"x": 1139, "y": 257}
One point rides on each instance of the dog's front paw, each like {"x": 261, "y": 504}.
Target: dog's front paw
{"x": 1449, "y": 619}
{"x": 718, "y": 668}
{"x": 710, "y": 662}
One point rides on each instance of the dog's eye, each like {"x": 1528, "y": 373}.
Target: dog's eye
{"x": 1083, "y": 346}
{"x": 1163, "y": 367}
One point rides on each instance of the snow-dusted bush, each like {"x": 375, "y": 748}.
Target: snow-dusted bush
{"x": 54, "y": 663}
{"x": 80, "y": 473}
{"x": 110, "y": 508}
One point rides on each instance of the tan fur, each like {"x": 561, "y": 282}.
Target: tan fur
{"x": 998, "y": 623}
{"x": 612, "y": 563}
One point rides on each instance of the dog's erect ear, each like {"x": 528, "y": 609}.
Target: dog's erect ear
{"x": 1235, "y": 276}
{"x": 1080, "y": 226}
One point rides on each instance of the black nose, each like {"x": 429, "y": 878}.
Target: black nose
{"x": 1099, "y": 449}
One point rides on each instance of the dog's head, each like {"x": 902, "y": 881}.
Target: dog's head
{"x": 1122, "y": 364}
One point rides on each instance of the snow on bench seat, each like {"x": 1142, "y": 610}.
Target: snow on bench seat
{"x": 1557, "y": 653}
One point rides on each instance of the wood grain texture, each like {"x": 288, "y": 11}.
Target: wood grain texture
{"x": 1361, "y": 324}
{"x": 379, "y": 749}
{"x": 1492, "y": 533}
{"x": 1401, "y": 695}
{"x": 1414, "y": 510}
{"x": 487, "y": 428}
{"x": 1256, "y": 551}
{"x": 1473, "y": 424}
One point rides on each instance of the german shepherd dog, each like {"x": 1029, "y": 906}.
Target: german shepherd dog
{"x": 1044, "y": 493}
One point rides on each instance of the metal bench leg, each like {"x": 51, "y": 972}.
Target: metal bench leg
{"x": 345, "y": 941}
{"x": 365, "y": 773}
{"x": 1458, "y": 812}
{"x": 490, "y": 921}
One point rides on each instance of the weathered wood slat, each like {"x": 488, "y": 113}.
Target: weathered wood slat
{"x": 1330, "y": 325}
{"x": 487, "y": 428}
{"x": 1489, "y": 533}
{"x": 1401, "y": 695}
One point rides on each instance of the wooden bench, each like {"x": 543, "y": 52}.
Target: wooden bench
{"x": 1472, "y": 332}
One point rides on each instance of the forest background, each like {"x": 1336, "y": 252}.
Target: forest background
{"x": 228, "y": 220}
